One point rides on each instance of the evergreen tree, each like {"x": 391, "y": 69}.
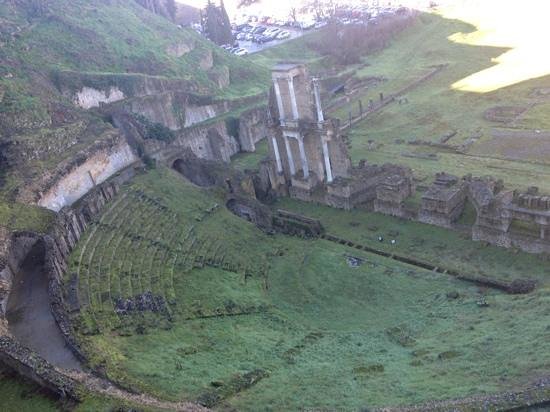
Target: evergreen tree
{"x": 216, "y": 24}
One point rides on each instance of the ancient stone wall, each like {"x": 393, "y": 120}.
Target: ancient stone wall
{"x": 33, "y": 367}
{"x": 82, "y": 175}
{"x": 209, "y": 142}
{"x": 252, "y": 128}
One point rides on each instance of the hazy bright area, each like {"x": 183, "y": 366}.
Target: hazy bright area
{"x": 521, "y": 26}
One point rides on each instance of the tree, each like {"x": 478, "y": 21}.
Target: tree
{"x": 216, "y": 24}
{"x": 246, "y": 3}
{"x": 171, "y": 8}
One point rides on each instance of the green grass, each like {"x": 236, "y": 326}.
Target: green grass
{"x": 328, "y": 335}
{"x": 244, "y": 161}
{"x": 21, "y": 217}
{"x": 297, "y": 50}
{"x": 442, "y": 247}
{"x": 20, "y": 396}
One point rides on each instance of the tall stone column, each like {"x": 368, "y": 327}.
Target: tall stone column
{"x": 290, "y": 157}
{"x": 279, "y": 99}
{"x": 317, "y": 93}
{"x": 277, "y": 154}
{"x": 543, "y": 232}
{"x": 305, "y": 165}
{"x": 326, "y": 155}
{"x": 293, "y": 98}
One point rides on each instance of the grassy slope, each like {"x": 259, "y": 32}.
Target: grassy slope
{"x": 112, "y": 38}
{"x": 18, "y": 396}
{"x": 120, "y": 37}
{"x": 435, "y": 109}
{"x": 324, "y": 328}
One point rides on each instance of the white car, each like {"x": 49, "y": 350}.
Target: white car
{"x": 308, "y": 24}
{"x": 273, "y": 31}
{"x": 240, "y": 52}
{"x": 283, "y": 35}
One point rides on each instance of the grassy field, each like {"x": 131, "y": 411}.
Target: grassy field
{"x": 436, "y": 110}
{"x": 321, "y": 332}
{"x": 19, "y": 396}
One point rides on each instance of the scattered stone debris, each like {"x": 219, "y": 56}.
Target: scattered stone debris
{"x": 145, "y": 302}
{"x": 401, "y": 336}
{"x": 482, "y": 302}
{"x": 450, "y": 354}
{"x": 368, "y": 369}
{"x": 354, "y": 262}
{"x": 225, "y": 389}
{"x": 453, "y": 295}
{"x": 522, "y": 286}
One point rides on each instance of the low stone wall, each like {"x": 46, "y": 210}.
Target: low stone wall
{"x": 71, "y": 223}
{"x": 31, "y": 366}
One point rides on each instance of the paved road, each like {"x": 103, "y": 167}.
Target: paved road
{"x": 30, "y": 318}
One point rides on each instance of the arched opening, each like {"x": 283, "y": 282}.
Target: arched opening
{"x": 195, "y": 172}
{"x": 29, "y": 314}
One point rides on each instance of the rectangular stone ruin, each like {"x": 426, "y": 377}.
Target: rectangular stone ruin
{"x": 391, "y": 194}
{"x": 444, "y": 201}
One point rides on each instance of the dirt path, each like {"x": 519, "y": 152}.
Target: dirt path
{"x": 104, "y": 387}
{"x": 29, "y": 315}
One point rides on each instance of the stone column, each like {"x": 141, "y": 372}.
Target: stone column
{"x": 293, "y": 98}
{"x": 279, "y": 99}
{"x": 317, "y": 93}
{"x": 290, "y": 157}
{"x": 305, "y": 166}
{"x": 543, "y": 232}
{"x": 277, "y": 154}
{"x": 326, "y": 155}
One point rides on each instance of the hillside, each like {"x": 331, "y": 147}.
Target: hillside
{"x": 60, "y": 58}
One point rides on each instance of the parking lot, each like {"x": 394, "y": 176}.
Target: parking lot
{"x": 253, "y": 47}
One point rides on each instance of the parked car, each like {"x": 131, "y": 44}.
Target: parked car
{"x": 243, "y": 27}
{"x": 307, "y": 24}
{"x": 259, "y": 30}
{"x": 271, "y": 31}
{"x": 241, "y": 36}
{"x": 284, "y": 34}
{"x": 240, "y": 52}
{"x": 260, "y": 38}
